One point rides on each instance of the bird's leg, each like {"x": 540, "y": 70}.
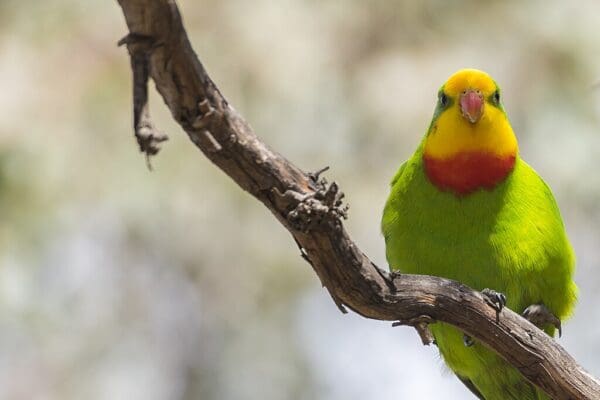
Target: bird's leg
{"x": 540, "y": 316}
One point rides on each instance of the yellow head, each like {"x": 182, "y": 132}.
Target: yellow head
{"x": 469, "y": 117}
{"x": 470, "y": 143}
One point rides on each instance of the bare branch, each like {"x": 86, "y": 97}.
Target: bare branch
{"x": 312, "y": 212}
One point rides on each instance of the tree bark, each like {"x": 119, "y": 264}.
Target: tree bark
{"x": 311, "y": 210}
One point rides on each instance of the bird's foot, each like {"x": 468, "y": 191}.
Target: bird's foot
{"x": 496, "y": 300}
{"x": 540, "y": 316}
{"x": 468, "y": 340}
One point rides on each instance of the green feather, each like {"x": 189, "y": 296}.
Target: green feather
{"x": 510, "y": 239}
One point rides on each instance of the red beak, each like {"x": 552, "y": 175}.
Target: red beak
{"x": 471, "y": 105}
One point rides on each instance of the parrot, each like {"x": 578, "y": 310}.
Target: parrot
{"x": 466, "y": 207}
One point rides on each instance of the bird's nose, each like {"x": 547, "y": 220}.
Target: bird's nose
{"x": 471, "y": 105}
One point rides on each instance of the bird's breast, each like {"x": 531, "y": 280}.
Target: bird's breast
{"x": 466, "y": 172}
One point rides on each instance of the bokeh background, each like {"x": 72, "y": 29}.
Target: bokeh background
{"x": 120, "y": 283}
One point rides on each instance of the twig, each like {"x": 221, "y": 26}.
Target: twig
{"x": 148, "y": 137}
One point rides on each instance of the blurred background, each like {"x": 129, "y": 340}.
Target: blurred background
{"x": 120, "y": 283}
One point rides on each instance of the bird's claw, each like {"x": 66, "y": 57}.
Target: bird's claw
{"x": 496, "y": 300}
{"x": 540, "y": 316}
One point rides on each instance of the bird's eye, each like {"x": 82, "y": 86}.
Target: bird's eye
{"x": 496, "y": 97}
{"x": 443, "y": 99}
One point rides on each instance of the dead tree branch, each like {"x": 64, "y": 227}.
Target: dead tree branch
{"x": 312, "y": 212}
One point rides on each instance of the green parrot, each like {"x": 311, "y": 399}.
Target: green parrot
{"x": 466, "y": 207}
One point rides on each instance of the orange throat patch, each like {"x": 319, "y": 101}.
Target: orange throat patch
{"x": 466, "y": 172}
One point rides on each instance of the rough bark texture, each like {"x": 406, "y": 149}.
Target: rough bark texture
{"x": 311, "y": 211}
